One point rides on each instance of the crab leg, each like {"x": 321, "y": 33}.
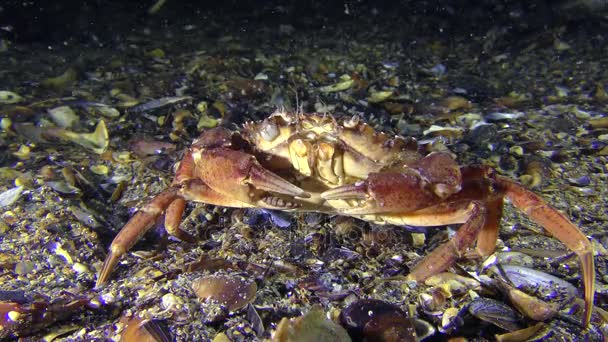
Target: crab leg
{"x": 445, "y": 255}
{"x": 173, "y": 218}
{"x": 486, "y": 240}
{"x": 137, "y": 226}
{"x": 560, "y": 227}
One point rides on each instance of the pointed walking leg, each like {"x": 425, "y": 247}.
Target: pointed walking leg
{"x": 561, "y": 228}
{"x": 173, "y": 218}
{"x": 486, "y": 240}
{"x": 445, "y": 255}
{"x": 135, "y": 228}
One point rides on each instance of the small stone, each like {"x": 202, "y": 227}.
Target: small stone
{"x": 418, "y": 239}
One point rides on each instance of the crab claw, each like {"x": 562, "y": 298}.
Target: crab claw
{"x": 238, "y": 175}
{"x": 385, "y": 192}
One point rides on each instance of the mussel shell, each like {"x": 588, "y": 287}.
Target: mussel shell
{"x": 538, "y": 283}
{"x": 376, "y": 320}
{"x": 495, "y": 312}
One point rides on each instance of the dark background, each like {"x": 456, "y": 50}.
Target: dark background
{"x": 104, "y": 21}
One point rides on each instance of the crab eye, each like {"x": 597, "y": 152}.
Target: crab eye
{"x": 269, "y": 130}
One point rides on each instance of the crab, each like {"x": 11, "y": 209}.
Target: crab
{"x": 313, "y": 162}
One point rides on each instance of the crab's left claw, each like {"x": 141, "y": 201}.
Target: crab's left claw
{"x": 420, "y": 185}
{"x": 386, "y": 192}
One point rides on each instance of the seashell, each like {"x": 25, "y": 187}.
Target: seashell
{"x": 158, "y": 103}
{"x": 544, "y": 285}
{"x": 495, "y": 312}
{"x": 85, "y": 216}
{"x": 99, "y": 169}
{"x": 144, "y": 330}
{"x": 450, "y": 319}
{"x": 8, "y": 97}
{"x": 63, "y": 116}
{"x": 10, "y": 196}
{"x": 379, "y": 96}
{"x": 313, "y": 326}
{"x": 514, "y": 258}
{"x": 63, "y": 187}
{"x": 438, "y": 70}
{"x": 435, "y": 300}
{"x": 444, "y": 131}
{"x": 221, "y": 337}
{"x": 452, "y": 103}
{"x": 231, "y": 292}
{"x": 345, "y": 83}
{"x": 103, "y": 110}
{"x": 23, "y": 152}
{"x": 376, "y": 320}
{"x": 423, "y": 329}
{"x": 97, "y": 141}
{"x": 499, "y": 116}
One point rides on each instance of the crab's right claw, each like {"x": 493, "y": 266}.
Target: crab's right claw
{"x": 239, "y": 176}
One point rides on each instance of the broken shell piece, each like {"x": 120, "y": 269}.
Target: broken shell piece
{"x": 446, "y": 277}
{"x": 311, "y": 327}
{"x": 8, "y": 97}
{"x": 450, "y": 319}
{"x": 10, "y": 196}
{"x": 99, "y": 169}
{"x": 231, "y": 292}
{"x": 103, "y": 110}
{"x": 23, "y": 152}
{"x": 379, "y": 96}
{"x": 63, "y": 116}
{"x": 145, "y": 330}
{"x": 454, "y": 132}
{"x": 345, "y": 82}
{"x": 452, "y": 103}
{"x": 97, "y": 141}
{"x": 499, "y": 116}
